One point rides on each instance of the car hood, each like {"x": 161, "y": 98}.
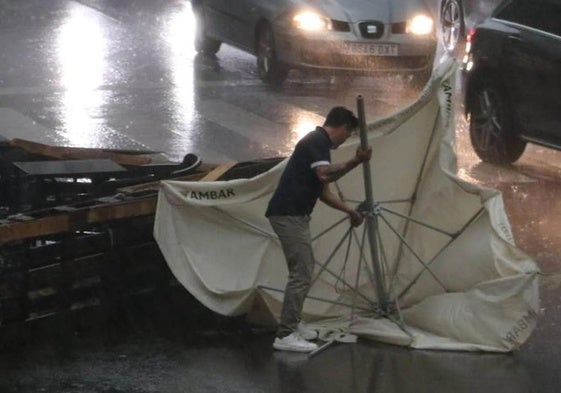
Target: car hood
{"x": 357, "y": 10}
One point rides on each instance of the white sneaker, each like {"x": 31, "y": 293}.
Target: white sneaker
{"x": 293, "y": 342}
{"x": 306, "y": 333}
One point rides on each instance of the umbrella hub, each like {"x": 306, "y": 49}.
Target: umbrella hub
{"x": 370, "y": 209}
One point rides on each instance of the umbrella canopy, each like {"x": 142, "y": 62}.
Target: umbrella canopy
{"x": 445, "y": 263}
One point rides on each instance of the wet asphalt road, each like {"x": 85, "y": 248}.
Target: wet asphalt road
{"x": 123, "y": 74}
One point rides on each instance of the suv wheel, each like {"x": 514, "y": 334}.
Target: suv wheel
{"x": 491, "y": 125}
{"x": 203, "y": 43}
{"x": 452, "y": 25}
{"x": 269, "y": 68}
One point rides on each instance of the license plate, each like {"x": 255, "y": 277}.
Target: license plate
{"x": 359, "y": 48}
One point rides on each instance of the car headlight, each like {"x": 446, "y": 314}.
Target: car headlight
{"x": 420, "y": 25}
{"x": 311, "y": 21}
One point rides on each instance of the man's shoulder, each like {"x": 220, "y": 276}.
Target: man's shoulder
{"x": 315, "y": 138}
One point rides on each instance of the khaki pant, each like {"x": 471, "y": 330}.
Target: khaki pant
{"x": 296, "y": 241}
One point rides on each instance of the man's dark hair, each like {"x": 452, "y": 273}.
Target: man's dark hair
{"x": 341, "y": 116}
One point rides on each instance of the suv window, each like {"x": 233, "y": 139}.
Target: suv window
{"x": 542, "y": 15}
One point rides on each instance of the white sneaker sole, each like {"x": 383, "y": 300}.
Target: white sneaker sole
{"x": 309, "y": 336}
{"x": 291, "y": 348}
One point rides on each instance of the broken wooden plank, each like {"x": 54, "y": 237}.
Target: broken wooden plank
{"x": 76, "y": 219}
{"x": 218, "y": 171}
{"x": 80, "y": 153}
{"x": 202, "y": 171}
{"x": 70, "y": 168}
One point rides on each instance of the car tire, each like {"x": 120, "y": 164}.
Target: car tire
{"x": 203, "y": 43}
{"x": 269, "y": 68}
{"x": 452, "y": 25}
{"x": 492, "y": 128}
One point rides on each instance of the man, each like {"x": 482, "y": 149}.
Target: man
{"x": 305, "y": 179}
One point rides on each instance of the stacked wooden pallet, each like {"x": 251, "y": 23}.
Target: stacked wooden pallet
{"x": 97, "y": 248}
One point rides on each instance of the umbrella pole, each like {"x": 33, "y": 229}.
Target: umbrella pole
{"x": 370, "y": 216}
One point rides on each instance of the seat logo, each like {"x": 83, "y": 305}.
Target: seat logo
{"x": 372, "y": 29}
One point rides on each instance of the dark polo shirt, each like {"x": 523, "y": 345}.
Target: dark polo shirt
{"x": 299, "y": 187}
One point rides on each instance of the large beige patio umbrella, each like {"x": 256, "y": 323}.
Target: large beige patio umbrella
{"x": 435, "y": 267}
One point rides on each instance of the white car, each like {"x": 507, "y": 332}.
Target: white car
{"x": 362, "y": 36}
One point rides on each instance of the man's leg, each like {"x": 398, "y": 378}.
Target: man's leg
{"x": 294, "y": 235}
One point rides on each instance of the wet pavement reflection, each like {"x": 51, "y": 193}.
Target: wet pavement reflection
{"x": 103, "y": 74}
{"x": 124, "y": 74}
{"x": 531, "y": 190}
{"x": 242, "y": 360}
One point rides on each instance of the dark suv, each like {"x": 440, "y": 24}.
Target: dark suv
{"x": 512, "y": 80}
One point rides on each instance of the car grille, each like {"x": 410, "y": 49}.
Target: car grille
{"x": 397, "y": 28}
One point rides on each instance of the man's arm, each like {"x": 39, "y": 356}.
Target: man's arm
{"x": 333, "y": 172}
{"x": 331, "y": 200}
